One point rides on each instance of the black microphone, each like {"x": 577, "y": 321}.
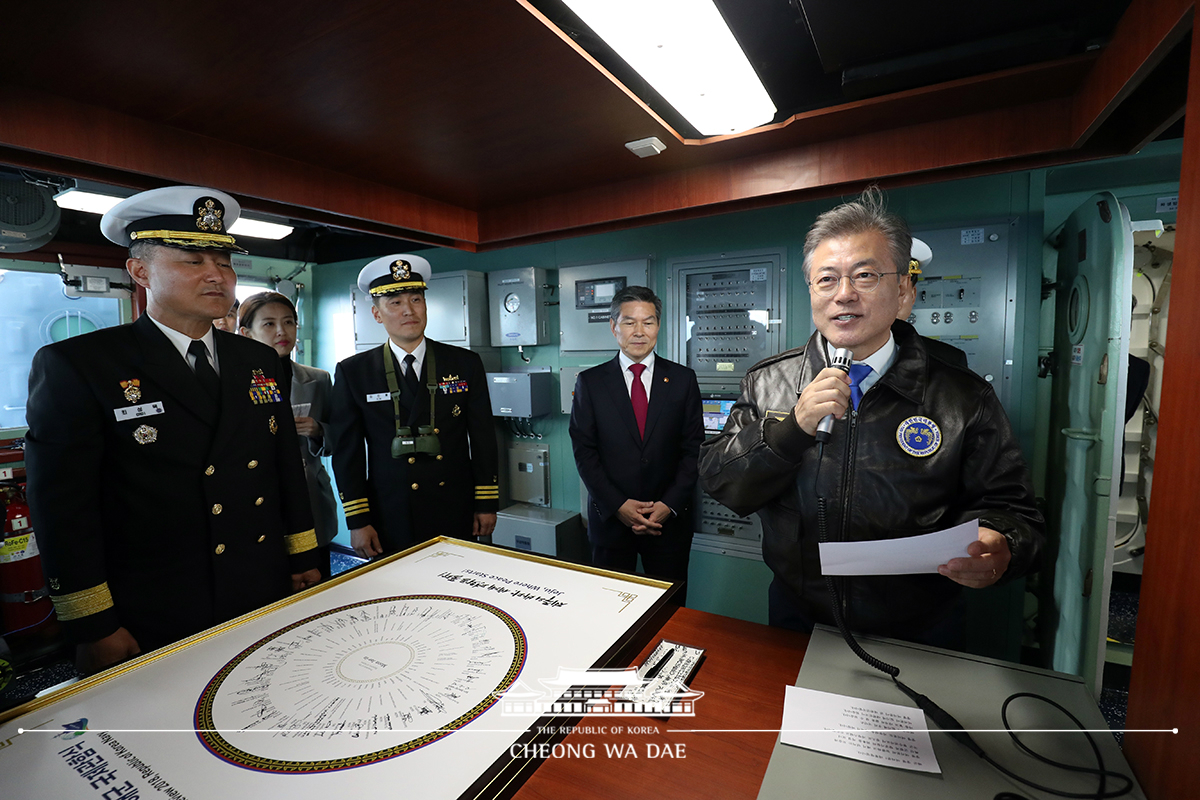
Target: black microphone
{"x": 842, "y": 359}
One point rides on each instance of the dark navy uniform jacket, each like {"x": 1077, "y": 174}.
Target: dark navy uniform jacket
{"x": 154, "y": 508}
{"x": 418, "y": 496}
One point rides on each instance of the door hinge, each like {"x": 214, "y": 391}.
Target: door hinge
{"x": 1087, "y": 584}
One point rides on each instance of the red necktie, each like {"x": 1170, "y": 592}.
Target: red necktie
{"x": 637, "y": 394}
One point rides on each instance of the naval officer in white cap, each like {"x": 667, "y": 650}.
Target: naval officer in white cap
{"x": 415, "y": 452}
{"x": 162, "y": 454}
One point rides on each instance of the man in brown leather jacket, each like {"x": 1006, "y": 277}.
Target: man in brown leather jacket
{"x": 919, "y": 445}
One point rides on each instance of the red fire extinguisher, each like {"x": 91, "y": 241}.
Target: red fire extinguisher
{"x": 25, "y": 605}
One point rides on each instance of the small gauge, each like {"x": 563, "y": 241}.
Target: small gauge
{"x": 949, "y": 317}
{"x": 935, "y": 318}
{"x": 512, "y": 302}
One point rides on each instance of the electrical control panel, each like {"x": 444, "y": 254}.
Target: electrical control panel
{"x": 519, "y": 301}
{"x": 457, "y": 309}
{"x": 965, "y": 295}
{"x": 521, "y": 394}
{"x": 728, "y": 314}
{"x": 367, "y": 332}
{"x": 587, "y": 292}
{"x": 719, "y": 530}
{"x": 566, "y": 386}
{"x": 529, "y": 474}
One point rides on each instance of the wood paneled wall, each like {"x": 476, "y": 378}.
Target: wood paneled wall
{"x": 1165, "y": 688}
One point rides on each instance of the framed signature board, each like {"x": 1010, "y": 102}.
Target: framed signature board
{"x": 407, "y": 672}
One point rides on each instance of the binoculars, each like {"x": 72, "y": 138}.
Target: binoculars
{"x": 425, "y": 441}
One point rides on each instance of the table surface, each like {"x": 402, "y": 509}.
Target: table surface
{"x": 743, "y": 676}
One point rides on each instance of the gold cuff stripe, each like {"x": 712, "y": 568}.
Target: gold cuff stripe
{"x": 396, "y": 287}
{"x": 301, "y": 542}
{"x": 493, "y": 486}
{"x": 82, "y": 604}
{"x": 481, "y": 496}
{"x": 356, "y": 507}
{"x": 187, "y": 236}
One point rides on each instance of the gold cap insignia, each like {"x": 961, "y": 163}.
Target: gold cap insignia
{"x": 209, "y": 211}
{"x": 401, "y": 270}
{"x": 145, "y": 434}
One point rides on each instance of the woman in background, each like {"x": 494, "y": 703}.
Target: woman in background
{"x": 270, "y": 317}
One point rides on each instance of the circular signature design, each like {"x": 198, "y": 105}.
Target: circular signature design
{"x": 359, "y": 684}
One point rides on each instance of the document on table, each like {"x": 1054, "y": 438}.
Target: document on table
{"x": 877, "y": 733}
{"x": 907, "y": 556}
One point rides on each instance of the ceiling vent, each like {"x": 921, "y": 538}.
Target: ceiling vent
{"x": 28, "y": 215}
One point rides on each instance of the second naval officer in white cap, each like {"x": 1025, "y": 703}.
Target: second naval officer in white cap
{"x": 415, "y": 451}
{"x": 162, "y": 455}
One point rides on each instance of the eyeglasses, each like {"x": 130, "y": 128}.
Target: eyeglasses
{"x": 865, "y": 281}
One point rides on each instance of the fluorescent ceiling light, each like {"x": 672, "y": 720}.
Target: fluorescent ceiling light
{"x": 97, "y": 203}
{"x": 257, "y": 229}
{"x": 684, "y": 49}
{"x": 78, "y": 200}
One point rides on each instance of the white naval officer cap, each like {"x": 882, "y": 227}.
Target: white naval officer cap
{"x": 919, "y": 257}
{"x": 394, "y": 274}
{"x": 183, "y": 217}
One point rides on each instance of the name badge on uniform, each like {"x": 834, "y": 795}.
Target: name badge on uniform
{"x": 378, "y": 397}
{"x": 137, "y": 412}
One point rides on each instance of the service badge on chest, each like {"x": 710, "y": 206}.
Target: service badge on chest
{"x": 919, "y": 436}
{"x": 133, "y": 392}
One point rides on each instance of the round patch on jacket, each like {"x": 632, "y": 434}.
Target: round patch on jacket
{"x": 919, "y": 436}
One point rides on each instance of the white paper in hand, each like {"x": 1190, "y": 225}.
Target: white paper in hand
{"x": 908, "y": 556}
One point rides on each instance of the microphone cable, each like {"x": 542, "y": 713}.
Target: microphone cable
{"x": 943, "y": 719}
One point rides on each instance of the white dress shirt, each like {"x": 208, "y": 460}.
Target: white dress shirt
{"x": 647, "y": 374}
{"x": 182, "y": 341}
{"x": 880, "y": 362}
{"x": 418, "y": 354}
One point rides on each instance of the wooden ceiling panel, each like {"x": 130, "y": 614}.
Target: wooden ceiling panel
{"x": 473, "y": 103}
{"x": 472, "y": 121}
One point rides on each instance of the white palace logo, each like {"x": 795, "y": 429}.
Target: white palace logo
{"x": 601, "y": 692}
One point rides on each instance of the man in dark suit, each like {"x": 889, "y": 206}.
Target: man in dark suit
{"x": 162, "y": 456}
{"x": 415, "y": 452}
{"x": 636, "y": 428}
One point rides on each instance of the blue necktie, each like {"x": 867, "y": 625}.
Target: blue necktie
{"x": 857, "y": 373}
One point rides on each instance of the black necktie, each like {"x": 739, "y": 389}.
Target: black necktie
{"x": 204, "y": 371}
{"x": 410, "y": 374}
